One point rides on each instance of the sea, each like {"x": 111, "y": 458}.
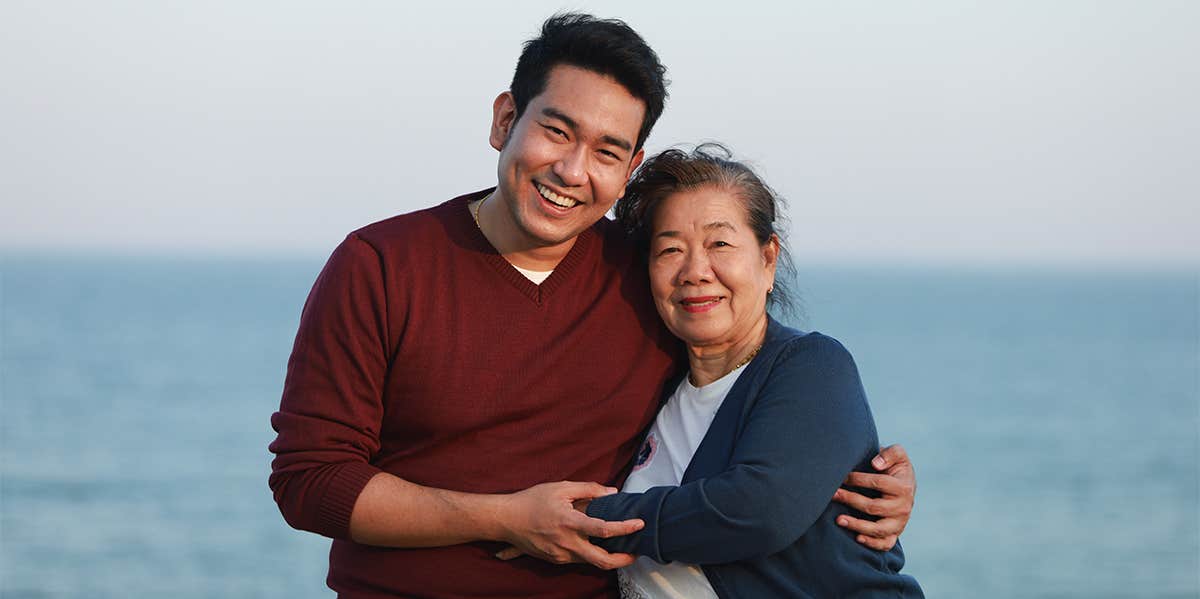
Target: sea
{"x": 1053, "y": 416}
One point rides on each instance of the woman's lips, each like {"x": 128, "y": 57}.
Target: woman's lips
{"x": 700, "y": 303}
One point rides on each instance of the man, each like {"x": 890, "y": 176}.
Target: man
{"x": 451, "y": 361}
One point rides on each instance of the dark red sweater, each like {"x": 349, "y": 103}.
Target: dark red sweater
{"x": 423, "y": 353}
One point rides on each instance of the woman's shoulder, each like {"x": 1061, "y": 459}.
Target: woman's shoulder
{"x": 814, "y": 369}
{"x": 788, "y": 344}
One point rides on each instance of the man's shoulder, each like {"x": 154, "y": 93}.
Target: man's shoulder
{"x": 617, "y": 245}
{"x": 608, "y": 229}
{"x": 418, "y": 226}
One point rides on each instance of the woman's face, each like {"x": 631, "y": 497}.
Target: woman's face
{"x": 708, "y": 273}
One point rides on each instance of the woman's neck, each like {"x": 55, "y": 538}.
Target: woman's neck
{"x": 711, "y": 362}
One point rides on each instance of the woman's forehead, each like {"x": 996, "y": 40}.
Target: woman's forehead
{"x": 708, "y": 207}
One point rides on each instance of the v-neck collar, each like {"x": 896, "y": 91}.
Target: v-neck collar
{"x": 564, "y": 271}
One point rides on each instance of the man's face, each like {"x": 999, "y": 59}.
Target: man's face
{"x": 566, "y": 160}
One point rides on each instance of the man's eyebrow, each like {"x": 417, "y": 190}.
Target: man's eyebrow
{"x": 557, "y": 114}
{"x": 554, "y": 113}
{"x": 616, "y": 141}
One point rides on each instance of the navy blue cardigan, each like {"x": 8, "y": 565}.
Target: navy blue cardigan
{"x": 754, "y": 507}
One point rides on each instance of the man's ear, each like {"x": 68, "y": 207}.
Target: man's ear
{"x": 633, "y": 164}
{"x": 504, "y": 118}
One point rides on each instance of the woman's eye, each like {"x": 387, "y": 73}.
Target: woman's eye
{"x": 721, "y": 244}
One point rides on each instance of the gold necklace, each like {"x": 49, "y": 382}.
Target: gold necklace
{"x": 475, "y": 214}
{"x": 744, "y": 362}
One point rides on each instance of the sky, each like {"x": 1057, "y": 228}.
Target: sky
{"x": 1018, "y": 133}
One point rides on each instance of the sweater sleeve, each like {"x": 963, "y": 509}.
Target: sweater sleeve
{"x": 329, "y": 418}
{"x": 807, "y": 428}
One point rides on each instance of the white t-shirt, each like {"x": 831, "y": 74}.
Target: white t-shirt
{"x": 537, "y": 276}
{"x": 664, "y": 456}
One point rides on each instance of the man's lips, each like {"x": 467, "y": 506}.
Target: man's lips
{"x": 700, "y": 303}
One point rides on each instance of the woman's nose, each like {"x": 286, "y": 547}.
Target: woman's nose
{"x": 695, "y": 269}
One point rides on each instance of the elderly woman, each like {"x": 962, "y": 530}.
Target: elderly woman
{"x": 735, "y": 476}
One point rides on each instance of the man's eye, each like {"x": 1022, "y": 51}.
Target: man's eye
{"x": 555, "y": 130}
{"x": 721, "y": 244}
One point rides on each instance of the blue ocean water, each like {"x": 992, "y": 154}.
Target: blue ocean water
{"x": 1054, "y": 419}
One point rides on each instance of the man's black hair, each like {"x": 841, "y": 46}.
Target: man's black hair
{"x": 605, "y": 46}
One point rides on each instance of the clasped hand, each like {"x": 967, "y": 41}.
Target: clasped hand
{"x": 548, "y": 521}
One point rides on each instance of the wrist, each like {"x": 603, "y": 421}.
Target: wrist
{"x": 491, "y": 517}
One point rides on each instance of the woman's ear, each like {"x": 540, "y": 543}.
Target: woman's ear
{"x": 771, "y": 252}
{"x": 771, "y": 258}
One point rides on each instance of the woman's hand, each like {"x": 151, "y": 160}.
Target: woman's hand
{"x": 897, "y": 487}
{"x": 544, "y": 521}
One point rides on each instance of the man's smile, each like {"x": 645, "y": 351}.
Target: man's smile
{"x": 559, "y": 200}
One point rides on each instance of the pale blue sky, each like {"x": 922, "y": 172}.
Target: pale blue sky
{"x": 933, "y": 132}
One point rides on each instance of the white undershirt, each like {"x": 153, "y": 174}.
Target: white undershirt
{"x": 664, "y": 456}
{"x": 537, "y": 276}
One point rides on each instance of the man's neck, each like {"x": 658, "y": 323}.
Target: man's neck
{"x": 496, "y": 225}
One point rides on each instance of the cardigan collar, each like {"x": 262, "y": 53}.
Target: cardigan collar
{"x": 715, "y": 450}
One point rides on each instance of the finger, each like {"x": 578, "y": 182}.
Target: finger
{"x": 884, "y": 544}
{"x": 603, "y": 559}
{"x": 886, "y": 507}
{"x": 884, "y": 483}
{"x": 879, "y": 529}
{"x": 623, "y": 559}
{"x": 575, "y": 490}
{"x": 595, "y": 527}
{"x": 890, "y": 456}
{"x": 509, "y": 553}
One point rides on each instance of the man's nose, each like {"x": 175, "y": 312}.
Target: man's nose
{"x": 571, "y": 167}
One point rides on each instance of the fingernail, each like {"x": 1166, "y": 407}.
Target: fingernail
{"x": 843, "y": 521}
{"x": 878, "y": 463}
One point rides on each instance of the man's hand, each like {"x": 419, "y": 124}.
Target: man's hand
{"x": 897, "y": 487}
{"x": 542, "y": 521}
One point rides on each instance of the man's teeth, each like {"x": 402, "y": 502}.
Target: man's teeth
{"x": 554, "y": 198}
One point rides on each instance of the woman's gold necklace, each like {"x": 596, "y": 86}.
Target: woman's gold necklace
{"x": 744, "y": 362}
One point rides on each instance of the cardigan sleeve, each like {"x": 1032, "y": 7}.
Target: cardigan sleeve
{"x": 808, "y": 426}
{"x": 329, "y": 417}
